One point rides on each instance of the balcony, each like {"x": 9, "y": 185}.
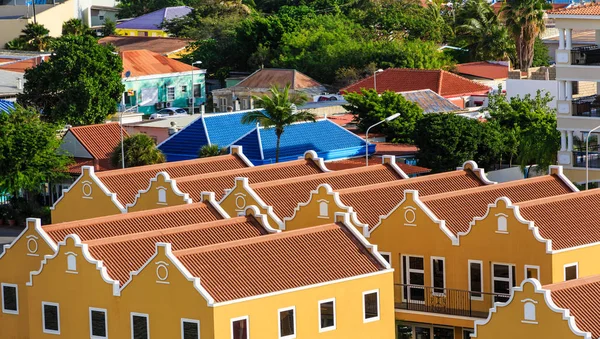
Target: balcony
{"x": 445, "y": 301}
{"x": 586, "y": 106}
{"x": 579, "y": 158}
{"x": 586, "y": 55}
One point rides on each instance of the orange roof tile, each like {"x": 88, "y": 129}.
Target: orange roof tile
{"x": 143, "y": 62}
{"x": 285, "y": 195}
{"x": 140, "y": 247}
{"x": 371, "y": 202}
{"x": 338, "y": 165}
{"x": 23, "y": 65}
{"x": 483, "y": 69}
{"x": 127, "y": 182}
{"x": 459, "y": 208}
{"x": 100, "y": 165}
{"x": 266, "y": 77}
{"x": 277, "y": 262}
{"x": 568, "y": 220}
{"x": 99, "y": 140}
{"x": 591, "y": 8}
{"x": 218, "y": 182}
{"x": 135, "y": 222}
{"x": 442, "y": 82}
{"x": 580, "y": 297}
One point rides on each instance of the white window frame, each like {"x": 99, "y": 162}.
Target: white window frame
{"x": 330, "y": 328}
{"x": 174, "y": 94}
{"x": 480, "y": 263}
{"x": 103, "y": 310}
{"x": 365, "y": 320}
{"x": 510, "y": 276}
{"x": 185, "y": 320}
{"x": 409, "y": 270}
{"x": 16, "y": 297}
{"x": 432, "y": 276}
{"x": 532, "y": 266}
{"x": 293, "y": 309}
{"x": 144, "y": 315}
{"x": 238, "y": 319}
{"x": 576, "y": 264}
{"x": 45, "y": 303}
{"x": 389, "y": 255}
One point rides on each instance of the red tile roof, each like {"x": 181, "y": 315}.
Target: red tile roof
{"x": 99, "y": 140}
{"x": 100, "y": 165}
{"x": 127, "y": 182}
{"x": 160, "y": 45}
{"x": 142, "y": 62}
{"x": 483, "y": 69}
{"x": 442, "y": 82}
{"x": 459, "y": 208}
{"x": 23, "y": 65}
{"x": 278, "y": 262}
{"x": 135, "y": 222}
{"x": 591, "y": 8}
{"x": 360, "y": 162}
{"x": 138, "y": 248}
{"x": 266, "y": 77}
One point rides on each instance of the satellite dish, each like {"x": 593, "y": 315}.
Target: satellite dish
{"x": 127, "y": 74}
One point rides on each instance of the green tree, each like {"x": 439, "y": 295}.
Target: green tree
{"x": 29, "y": 154}
{"x": 277, "y": 112}
{"x": 34, "y": 37}
{"x": 525, "y": 21}
{"x": 80, "y": 84}
{"x": 76, "y": 27}
{"x": 211, "y": 151}
{"x": 541, "y": 56}
{"x": 140, "y": 150}
{"x": 135, "y": 8}
{"x": 369, "y": 108}
{"x": 109, "y": 28}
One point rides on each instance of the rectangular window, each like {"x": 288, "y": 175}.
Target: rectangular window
{"x": 532, "y": 272}
{"x": 197, "y": 90}
{"x": 140, "y": 326}
{"x": 184, "y": 88}
{"x": 10, "y": 298}
{"x": 240, "y": 328}
{"x": 326, "y": 315}
{"x": 190, "y": 329}
{"x": 503, "y": 279}
{"x": 98, "y": 323}
{"x": 51, "y": 318}
{"x": 287, "y": 323}
{"x": 387, "y": 256}
{"x": 467, "y": 333}
{"x": 438, "y": 276}
{"x": 571, "y": 271}
{"x": 476, "y": 279}
{"x": 413, "y": 275}
{"x": 170, "y": 93}
{"x": 370, "y": 306}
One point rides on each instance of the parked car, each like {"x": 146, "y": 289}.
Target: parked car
{"x": 169, "y": 112}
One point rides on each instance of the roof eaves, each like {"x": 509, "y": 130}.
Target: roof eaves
{"x": 260, "y": 147}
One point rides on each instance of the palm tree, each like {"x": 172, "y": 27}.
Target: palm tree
{"x": 278, "y": 112}
{"x": 211, "y": 151}
{"x": 140, "y": 150}
{"x": 36, "y": 37}
{"x": 76, "y": 27}
{"x": 525, "y": 21}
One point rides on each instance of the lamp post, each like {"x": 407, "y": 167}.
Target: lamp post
{"x": 127, "y": 75}
{"x": 375, "y": 79}
{"x": 587, "y": 159}
{"x": 193, "y": 97}
{"x": 390, "y": 118}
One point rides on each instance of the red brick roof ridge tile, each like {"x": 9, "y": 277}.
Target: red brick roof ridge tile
{"x": 557, "y": 198}
{"x": 572, "y": 283}
{"x": 572, "y": 10}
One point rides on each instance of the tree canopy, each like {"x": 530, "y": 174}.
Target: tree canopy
{"x": 140, "y": 150}
{"x": 80, "y": 84}
{"x": 34, "y": 37}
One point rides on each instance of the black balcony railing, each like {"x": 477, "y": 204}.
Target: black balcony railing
{"x": 586, "y": 55}
{"x": 445, "y": 300}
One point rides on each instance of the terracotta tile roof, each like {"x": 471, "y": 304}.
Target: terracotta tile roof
{"x": 568, "y": 220}
{"x": 338, "y": 165}
{"x": 371, "y": 202}
{"x": 135, "y": 222}
{"x": 127, "y": 182}
{"x": 388, "y": 148}
{"x": 99, "y": 140}
{"x": 101, "y": 165}
{"x": 23, "y": 65}
{"x": 142, "y": 62}
{"x": 590, "y": 8}
{"x": 483, "y": 69}
{"x": 459, "y": 208}
{"x": 160, "y": 45}
{"x": 580, "y": 297}
{"x": 442, "y": 82}
{"x": 140, "y": 247}
{"x": 265, "y": 77}
{"x": 285, "y": 195}
{"x": 342, "y": 119}
{"x": 278, "y": 262}
{"x": 220, "y": 181}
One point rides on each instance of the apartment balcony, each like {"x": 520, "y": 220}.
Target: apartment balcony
{"x": 586, "y": 107}
{"x": 445, "y": 301}
{"x": 586, "y": 55}
{"x": 579, "y": 158}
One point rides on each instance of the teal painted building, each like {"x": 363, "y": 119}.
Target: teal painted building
{"x": 153, "y": 81}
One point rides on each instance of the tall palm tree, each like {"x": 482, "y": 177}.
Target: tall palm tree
{"x": 525, "y": 21}
{"x": 36, "y": 37}
{"x": 140, "y": 150}
{"x": 76, "y": 27}
{"x": 278, "y": 112}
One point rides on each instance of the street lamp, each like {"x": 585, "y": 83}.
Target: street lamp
{"x": 587, "y": 159}
{"x": 375, "y": 79}
{"x": 390, "y": 118}
{"x": 193, "y": 97}
{"x": 127, "y": 75}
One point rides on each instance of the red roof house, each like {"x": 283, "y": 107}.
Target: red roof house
{"x": 483, "y": 69}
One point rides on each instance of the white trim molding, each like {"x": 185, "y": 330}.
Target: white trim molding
{"x": 3, "y": 299}
{"x": 103, "y": 310}
{"x": 44, "y": 329}
{"x": 365, "y": 319}
{"x": 329, "y": 328}
{"x": 565, "y": 266}
{"x": 191, "y": 321}
{"x": 167, "y": 179}
{"x": 141, "y": 315}
{"x": 536, "y": 267}
{"x": 481, "y": 275}
{"x": 294, "y": 329}
{"x": 233, "y": 320}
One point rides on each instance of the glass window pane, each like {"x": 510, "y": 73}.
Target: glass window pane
{"x": 416, "y": 263}
{"x": 467, "y": 333}
{"x": 9, "y": 294}
{"x": 404, "y": 332}
{"x": 475, "y": 269}
{"x": 417, "y": 279}
{"x": 371, "y": 307}
{"x": 443, "y": 333}
{"x": 570, "y": 272}
{"x": 422, "y": 333}
{"x": 286, "y": 322}
{"x": 327, "y": 314}
{"x": 140, "y": 327}
{"x": 51, "y": 317}
{"x": 438, "y": 275}
{"x": 190, "y": 330}
{"x": 501, "y": 271}
{"x": 98, "y": 323}
{"x": 239, "y": 329}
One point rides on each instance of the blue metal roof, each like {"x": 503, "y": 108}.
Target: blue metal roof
{"x": 222, "y": 128}
{"x": 155, "y": 19}
{"x": 329, "y": 140}
{"x": 6, "y": 105}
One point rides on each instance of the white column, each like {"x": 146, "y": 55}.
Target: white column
{"x": 570, "y": 141}
{"x": 598, "y": 37}
{"x": 568, "y": 38}
{"x": 563, "y": 141}
{"x": 561, "y": 90}
{"x": 568, "y": 90}
{"x": 561, "y": 38}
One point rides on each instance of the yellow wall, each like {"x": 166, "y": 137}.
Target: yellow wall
{"x": 150, "y": 198}
{"x": 23, "y": 256}
{"x": 585, "y": 257}
{"x": 309, "y": 214}
{"x": 509, "y": 322}
{"x": 242, "y": 196}
{"x": 86, "y": 198}
{"x": 135, "y": 32}
{"x": 54, "y": 17}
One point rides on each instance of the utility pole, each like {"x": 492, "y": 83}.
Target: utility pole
{"x": 34, "y": 18}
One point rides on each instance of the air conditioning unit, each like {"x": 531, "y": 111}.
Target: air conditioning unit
{"x": 159, "y": 105}
{"x": 190, "y": 101}
{"x": 168, "y": 104}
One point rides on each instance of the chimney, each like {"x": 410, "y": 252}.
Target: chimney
{"x": 19, "y": 83}
{"x": 202, "y": 109}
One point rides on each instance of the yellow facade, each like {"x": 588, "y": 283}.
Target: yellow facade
{"x": 241, "y": 196}
{"x": 142, "y": 32}
{"x": 161, "y": 192}
{"x": 530, "y": 313}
